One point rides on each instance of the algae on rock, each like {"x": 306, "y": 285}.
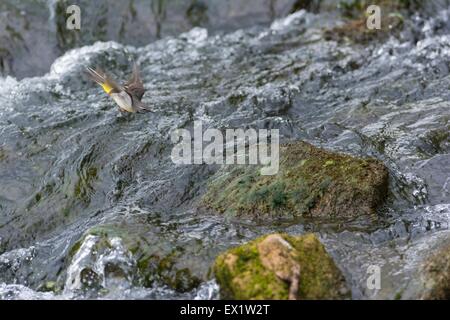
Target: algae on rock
{"x": 311, "y": 181}
{"x": 279, "y": 266}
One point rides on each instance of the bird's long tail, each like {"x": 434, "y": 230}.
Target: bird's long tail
{"x": 102, "y": 79}
{"x": 96, "y": 76}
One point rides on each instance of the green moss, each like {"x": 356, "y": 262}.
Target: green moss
{"x": 197, "y": 13}
{"x": 310, "y": 181}
{"x": 49, "y": 286}
{"x": 83, "y": 187}
{"x": 74, "y": 249}
{"x": 3, "y": 155}
{"x": 246, "y": 278}
{"x": 236, "y": 99}
{"x": 183, "y": 281}
{"x": 398, "y": 295}
{"x": 13, "y": 33}
{"x": 329, "y": 163}
{"x": 438, "y": 138}
{"x": 66, "y": 212}
{"x": 241, "y": 274}
{"x": 132, "y": 10}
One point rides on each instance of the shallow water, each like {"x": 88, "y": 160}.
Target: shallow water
{"x": 70, "y": 161}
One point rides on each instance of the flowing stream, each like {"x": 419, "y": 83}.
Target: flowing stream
{"x": 69, "y": 161}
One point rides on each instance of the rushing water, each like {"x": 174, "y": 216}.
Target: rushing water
{"x": 70, "y": 161}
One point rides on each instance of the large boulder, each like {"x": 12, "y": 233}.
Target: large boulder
{"x": 311, "y": 181}
{"x": 279, "y": 266}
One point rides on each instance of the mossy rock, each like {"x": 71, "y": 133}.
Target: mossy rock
{"x": 153, "y": 263}
{"x": 393, "y": 13}
{"x": 433, "y": 142}
{"x": 279, "y": 267}
{"x": 311, "y": 181}
{"x": 436, "y": 274}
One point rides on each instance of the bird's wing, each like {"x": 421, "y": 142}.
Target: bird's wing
{"x": 134, "y": 86}
{"x": 103, "y": 79}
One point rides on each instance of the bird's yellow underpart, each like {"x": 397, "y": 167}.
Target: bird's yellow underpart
{"x": 106, "y": 87}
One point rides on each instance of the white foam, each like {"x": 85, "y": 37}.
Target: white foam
{"x": 283, "y": 23}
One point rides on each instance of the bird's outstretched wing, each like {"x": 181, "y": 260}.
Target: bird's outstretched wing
{"x": 135, "y": 86}
{"x": 108, "y": 84}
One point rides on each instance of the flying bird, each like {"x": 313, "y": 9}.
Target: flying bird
{"x": 128, "y": 97}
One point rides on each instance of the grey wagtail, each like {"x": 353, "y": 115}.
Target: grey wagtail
{"x": 128, "y": 97}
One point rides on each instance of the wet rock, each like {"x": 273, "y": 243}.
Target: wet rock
{"x": 437, "y": 184}
{"x": 15, "y": 265}
{"x": 26, "y": 46}
{"x": 435, "y": 142}
{"x": 98, "y": 261}
{"x": 436, "y": 275}
{"x": 279, "y": 266}
{"x": 112, "y": 256}
{"x": 310, "y": 182}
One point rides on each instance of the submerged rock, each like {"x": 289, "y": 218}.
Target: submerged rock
{"x": 109, "y": 257}
{"x": 100, "y": 261}
{"x": 279, "y": 266}
{"x": 311, "y": 181}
